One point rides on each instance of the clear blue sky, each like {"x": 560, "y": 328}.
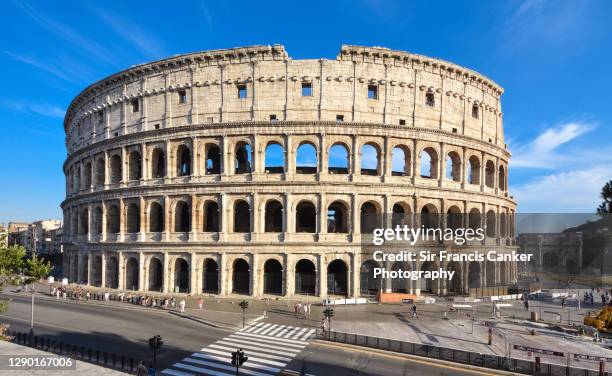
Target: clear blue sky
{"x": 552, "y": 57}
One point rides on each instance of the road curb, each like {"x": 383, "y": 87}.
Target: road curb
{"x": 414, "y": 357}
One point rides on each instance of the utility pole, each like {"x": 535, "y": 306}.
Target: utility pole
{"x": 328, "y": 313}
{"x": 155, "y": 343}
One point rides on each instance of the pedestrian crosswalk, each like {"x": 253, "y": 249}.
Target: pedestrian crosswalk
{"x": 270, "y": 347}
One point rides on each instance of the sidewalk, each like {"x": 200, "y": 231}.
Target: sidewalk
{"x": 82, "y": 368}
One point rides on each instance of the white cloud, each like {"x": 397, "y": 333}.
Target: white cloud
{"x": 543, "y": 151}
{"x": 43, "y": 109}
{"x": 206, "y": 13}
{"x": 575, "y": 191}
{"x": 148, "y": 45}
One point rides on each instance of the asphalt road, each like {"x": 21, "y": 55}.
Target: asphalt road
{"x": 116, "y": 330}
{"x": 126, "y": 331}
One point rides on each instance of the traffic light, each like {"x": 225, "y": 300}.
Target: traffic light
{"x": 158, "y": 342}
{"x": 329, "y": 312}
{"x": 242, "y": 358}
{"x": 244, "y": 304}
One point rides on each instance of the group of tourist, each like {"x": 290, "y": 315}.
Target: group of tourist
{"x": 302, "y": 309}
{"x": 606, "y": 296}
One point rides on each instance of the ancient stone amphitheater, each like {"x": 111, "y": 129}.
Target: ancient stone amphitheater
{"x": 242, "y": 171}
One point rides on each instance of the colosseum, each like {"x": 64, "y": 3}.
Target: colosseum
{"x": 245, "y": 172}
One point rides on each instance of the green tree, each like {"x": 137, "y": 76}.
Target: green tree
{"x": 606, "y": 195}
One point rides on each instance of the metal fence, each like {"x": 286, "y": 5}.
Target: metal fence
{"x": 519, "y": 366}
{"x": 102, "y": 358}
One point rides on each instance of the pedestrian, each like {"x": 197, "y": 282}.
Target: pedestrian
{"x": 182, "y": 304}
{"x": 57, "y": 293}
{"x": 295, "y": 309}
{"x": 107, "y": 297}
{"x": 563, "y": 303}
{"x": 141, "y": 370}
{"x": 526, "y": 305}
{"x": 414, "y": 312}
{"x": 307, "y": 310}
{"x": 201, "y": 303}
{"x": 88, "y": 295}
{"x": 152, "y": 370}
{"x": 323, "y": 325}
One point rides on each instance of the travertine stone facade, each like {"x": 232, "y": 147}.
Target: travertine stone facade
{"x": 168, "y": 189}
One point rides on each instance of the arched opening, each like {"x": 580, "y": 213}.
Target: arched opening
{"x": 454, "y": 285}
{"x": 133, "y": 218}
{"x": 183, "y": 159}
{"x": 87, "y": 176}
{"x": 274, "y": 158}
{"x": 491, "y": 224}
{"x": 158, "y": 163}
{"x": 429, "y": 163}
{"x": 429, "y": 285}
{"x": 242, "y": 217}
{"x": 213, "y": 159}
{"x": 430, "y": 217}
{"x": 453, "y": 218}
{"x": 502, "y": 225}
{"x": 273, "y": 216}
{"x": 115, "y": 169}
{"x": 490, "y": 273}
{"x": 112, "y": 273}
{"x": 400, "y": 161}
{"x": 241, "y": 277}
{"x": 155, "y": 274}
{"x": 370, "y": 160}
{"x": 112, "y": 219}
{"x": 400, "y": 215}
{"x": 338, "y": 159}
{"x": 273, "y": 277}
{"x": 305, "y": 217}
{"x": 370, "y": 217}
{"x": 337, "y": 278}
{"x": 131, "y": 274}
{"x": 181, "y": 275}
{"x": 182, "y": 217}
{"x": 84, "y": 230}
{"x": 490, "y": 174}
{"x": 243, "y": 161}
{"x": 337, "y": 218}
{"x": 210, "y": 279}
{"x": 211, "y": 217}
{"x": 475, "y": 220}
{"x": 473, "y": 171}
{"x": 100, "y": 172}
{"x": 474, "y": 275}
{"x": 305, "y": 277}
{"x": 97, "y": 221}
{"x": 306, "y": 159}
{"x": 96, "y": 271}
{"x": 550, "y": 260}
{"x": 453, "y": 166}
{"x": 400, "y": 285}
{"x": 156, "y": 218}
{"x": 135, "y": 166}
{"x": 368, "y": 284}
{"x": 84, "y": 277}
{"x": 501, "y": 178}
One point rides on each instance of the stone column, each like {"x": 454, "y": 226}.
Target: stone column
{"x": 226, "y": 165}
{"x": 356, "y": 214}
{"x": 143, "y": 219}
{"x": 141, "y": 272}
{"x": 167, "y": 215}
{"x": 166, "y": 274}
{"x": 353, "y": 276}
{"x": 224, "y": 220}
{"x": 288, "y": 276}
{"x": 222, "y": 274}
{"x": 322, "y": 276}
{"x": 255, "y": 273}
{"x": 415, "y": 162}
{"x": 441, "y": 164}
{"x": 356, "y": 156}
{"x": 122, "y": 219}
{"x": 322, "y": 156}
{"x": 289, "y": 217}
{"x": 103, "y": 276}
{"x": 89, "y": 220}
{"x": 144, "y": 166}
{"x": 89, "y": 274}
{"x": 386, "y": 160}
{"x": 290, "y": 154}
{"x": 103, "y": 234}
{"x": 194, "y": 218}
{"x": 121, "y": 261}
{"x": 322, "y": 214}
{"x": 193, "y": 274}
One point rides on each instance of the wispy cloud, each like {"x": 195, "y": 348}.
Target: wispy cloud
{"x": 65, "y": 32}
{"x": 145, "y": 42}
{"x": 543, "y": 151}
{"x": 65, "y": 69}
{"x": 42, "y": 109}
{"x": 575, "y": 191}
{"x": 207, "y": 15}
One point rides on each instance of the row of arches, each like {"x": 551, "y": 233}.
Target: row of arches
{"x": 472, "y": 275}
{"x": 338, "y": 218}
{"x": 339, "y": 161}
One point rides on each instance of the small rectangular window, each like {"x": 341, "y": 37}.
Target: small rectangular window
{"x": 454, "y": 130}
{"x": 100, "y": 117}
{"x": 182, "y": 96}
{"x": 242, "y": 92}
{"x": 135, "y": 105}
{"x": 475, "y": 111}
{"x": 306, "y": 89}
{"x": 339, "y": 118}
{"x": 430, "y": 100}
{"x": 273, "y": 118}
{"x": 156, "y": 126}
{"x": 402, "y": 122}
{"x": 372, "y": 92}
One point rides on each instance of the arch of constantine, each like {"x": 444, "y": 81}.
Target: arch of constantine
{"x": 171, "y": 187}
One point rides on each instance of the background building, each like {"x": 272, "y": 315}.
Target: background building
{"x": 172, "y": 183}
